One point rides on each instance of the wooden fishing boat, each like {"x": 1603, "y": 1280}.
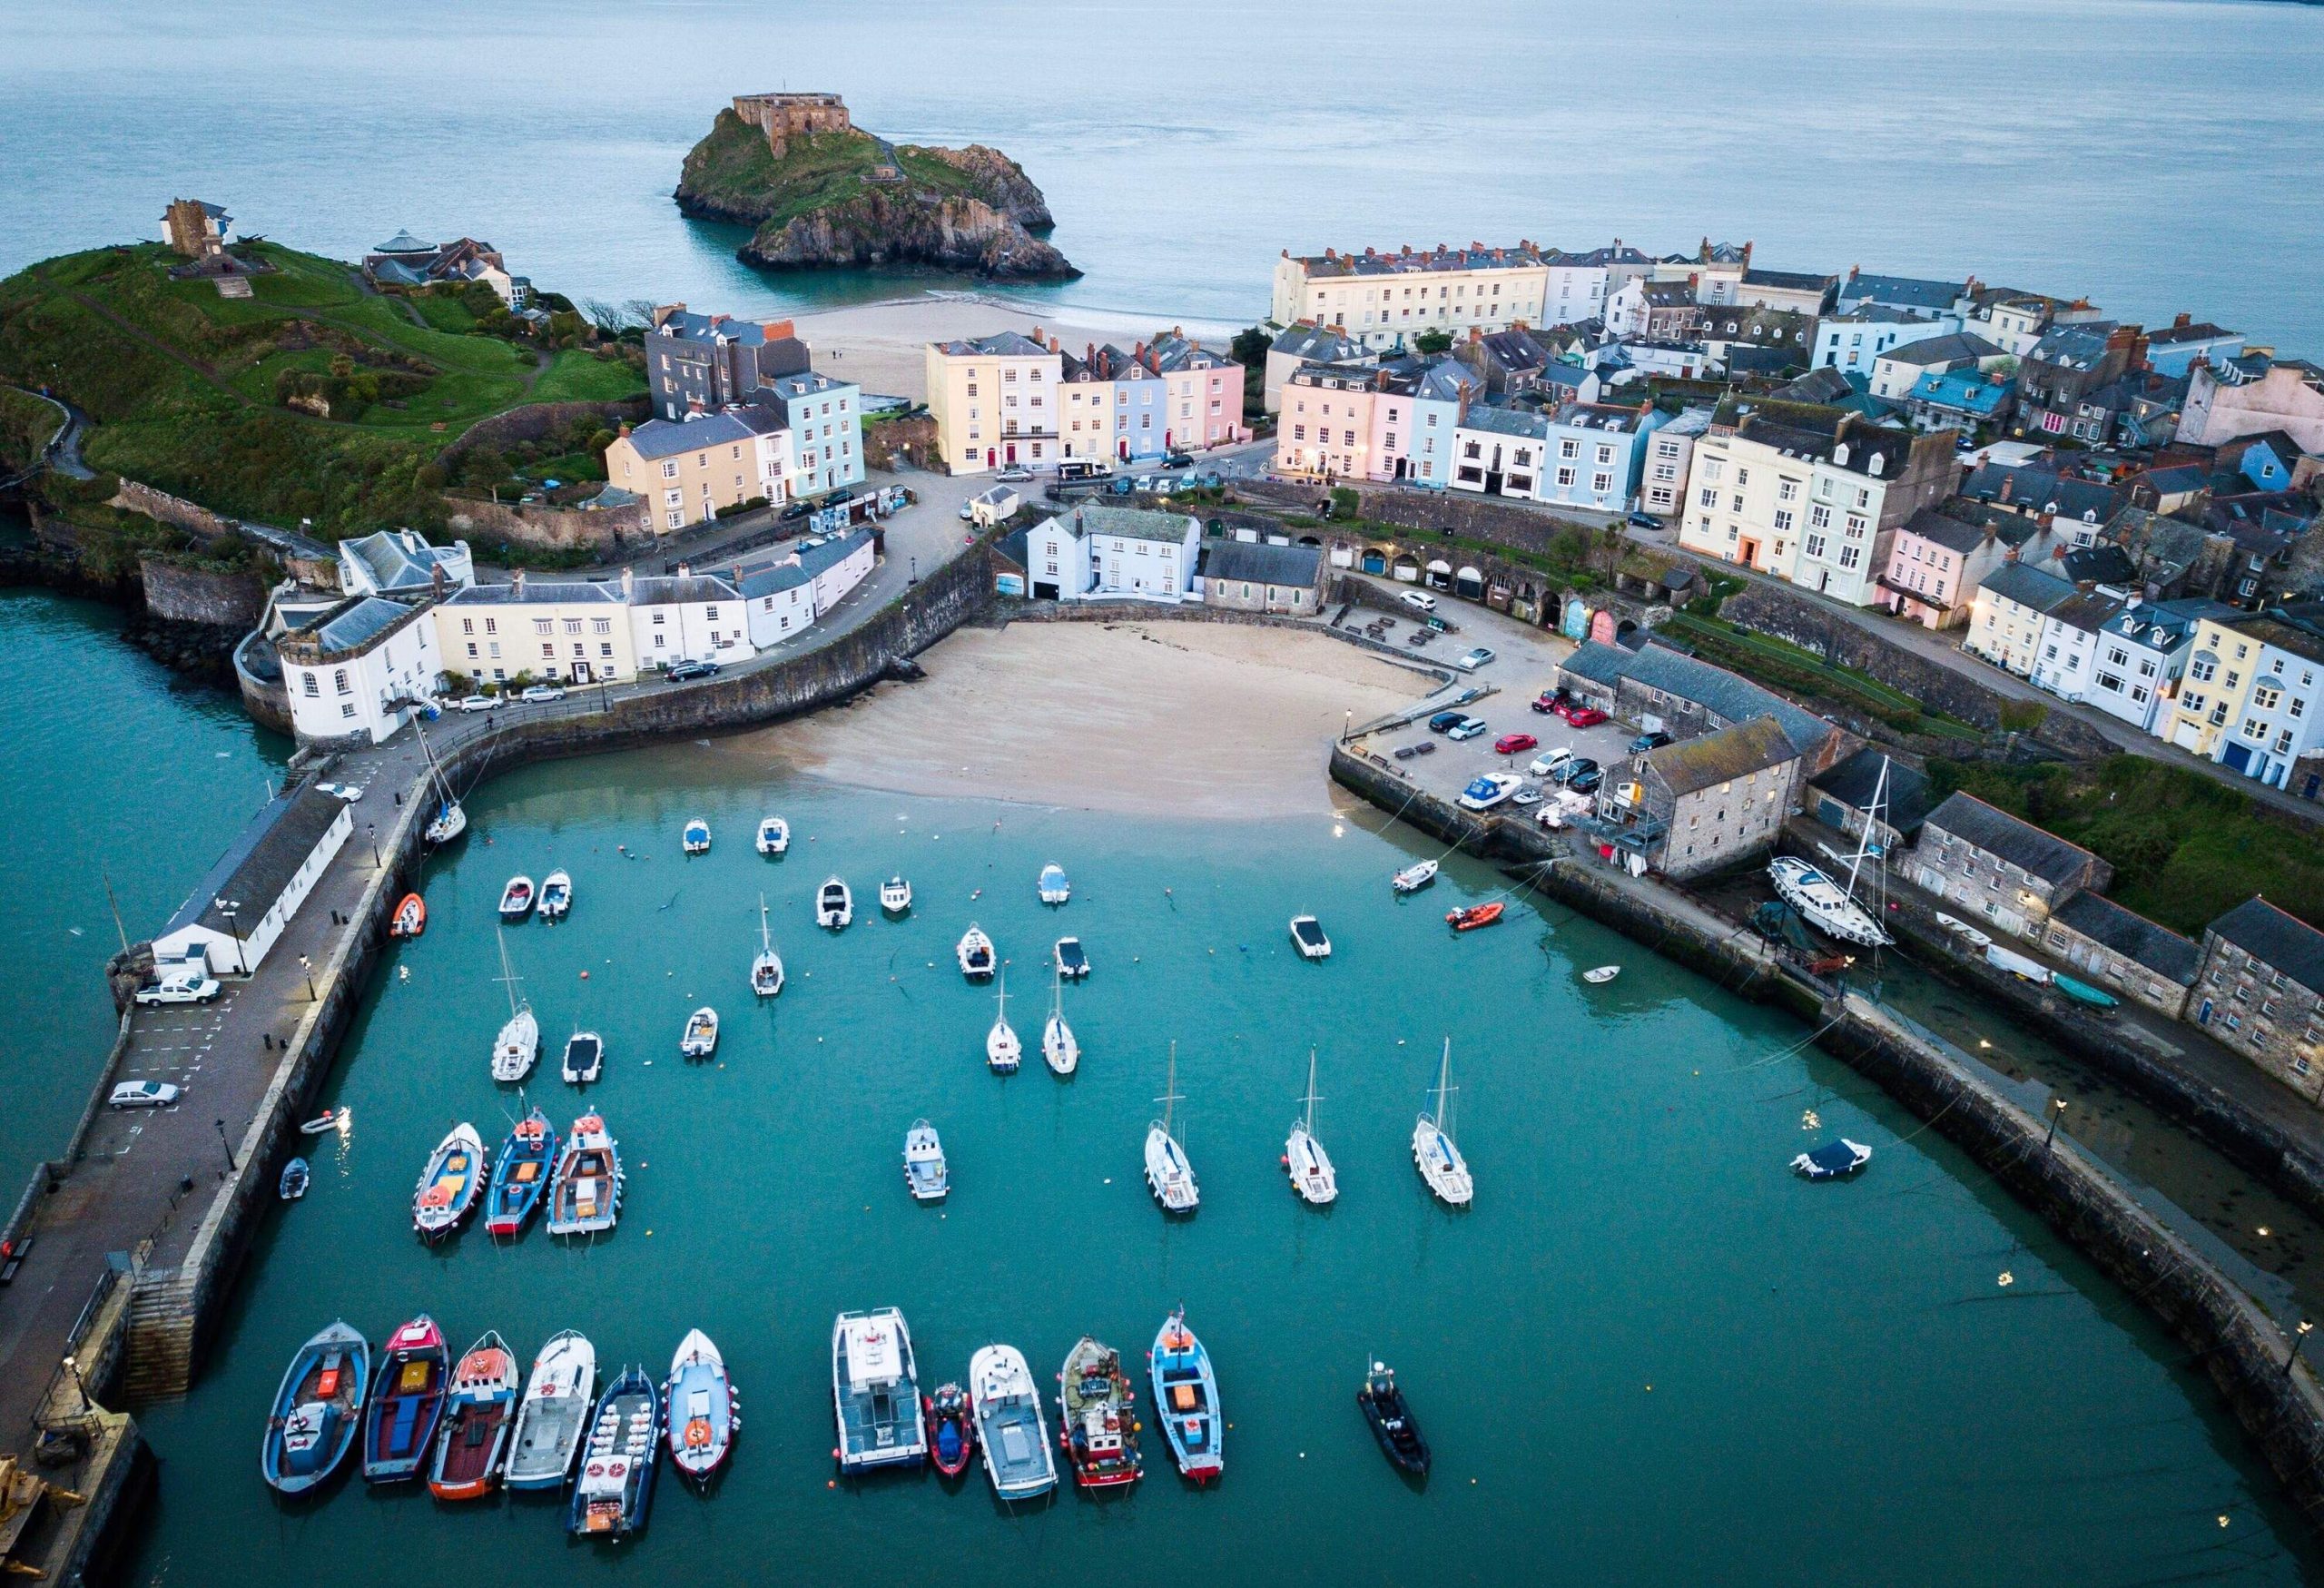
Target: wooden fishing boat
{"x": 1017, "y": 1455}
{"x": 451, "y": 1184}
{"x": 554, "y": 1414}
{"x": 1470, "y": 917}
{"x": 696, "y": 838}
{"x": 557, "y": 895}
{"x": 519, "y": 1174}
{"x": 585, "y": 1194}
{"x": 474, "y": 1439}
{"x": 951, "y": 1430}
{"x": 411, "y": 918}
{"x": 317, "y": 1410}
{"x": 401, "y": 1427}
{"x": 975, "y": 953}
{"x": 614, "y": 1490}
{"x": 774, "y": 835}
{"x": 1392, "y": 1420}
{"x": 1185, "y": 1399}
{"x": 517, "y": 899}
{"x": 1097, "y": 1420}
{"x": 699, "y": 1040}
{"x": 701, "y": 1409}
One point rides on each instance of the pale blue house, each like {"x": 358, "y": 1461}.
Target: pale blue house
{"x": 1441, "y": 394}
{"x": 1597, "y": 454}
{"x": 825, "y": 417}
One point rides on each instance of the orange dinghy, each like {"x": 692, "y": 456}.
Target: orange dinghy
{"x": 411, "y": 918}
{"x": 1473, "y": 916}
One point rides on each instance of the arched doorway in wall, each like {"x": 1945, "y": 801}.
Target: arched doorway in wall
{"x": 1374, "y": 561}
{"x": 1469, "y": 583}
{"x": 1440, "y": 574}
{"x": 1406, "y": 567}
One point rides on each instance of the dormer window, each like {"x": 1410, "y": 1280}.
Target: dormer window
{"x": 1840, "y": 455}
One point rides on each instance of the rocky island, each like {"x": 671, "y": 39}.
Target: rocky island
{"x": 817, "y": 191}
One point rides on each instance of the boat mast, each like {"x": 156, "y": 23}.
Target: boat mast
{"x": 508, "y": 976}
{"x": 1444, "y": 1092}
{"x": 1307, "y": 1121}
{"x": 766, "y": 945}
{"x": 1169, "y": 1091}
{"x": 1871, "y": 819}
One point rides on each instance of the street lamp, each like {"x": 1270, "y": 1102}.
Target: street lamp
{"x": 371, "y": 833}
{"x": 2299, "y": 1336}
{"x": 2057, "y": 1112}
{"x": 231, "y": 910}
{"x": 915, "y": 572}
{"x": 231, "y": 1164}
{"x": 1348, "y": 725}
{"x": 73, "y": 1369}
{"x": 307, "y": 966}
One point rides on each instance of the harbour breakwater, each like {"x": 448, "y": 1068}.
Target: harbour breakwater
{"x": 2247, "y": 1354}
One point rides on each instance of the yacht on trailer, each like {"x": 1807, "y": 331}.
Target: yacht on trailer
{"x": 1303, "y": 1158}
{"x": 1434, "y": 1152}
{"x": 518, "y": 1045}
{"x": 766, "y": 968}
{"x": 1169, "y": 1175}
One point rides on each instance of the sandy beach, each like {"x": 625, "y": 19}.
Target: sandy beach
{"x": 1190, "y": 719}
{"x": 882, "y": 347}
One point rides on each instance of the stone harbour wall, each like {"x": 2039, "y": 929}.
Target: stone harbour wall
{"x": 543, "y": 525}
{"x": 188, "y": 595}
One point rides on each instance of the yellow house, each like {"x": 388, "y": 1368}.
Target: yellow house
{"x": 571, "y": 631}
{"x": 995, "y": 399}
{"x": 687, "y": 469}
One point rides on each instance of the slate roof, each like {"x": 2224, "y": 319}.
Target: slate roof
{"x": 260, "y": 862}
{"x": 2028, "y": 585}
{"x": 1854, "y": 780}
{"x": 1513, "y": 349}
{"x": 2129, "y": 933}
{"x": 677, "y": 589}
{"x": 816, "y": 559}
{"x": 1567, "y": 377}
{"x": 2031, "y": 486}
{"x": 1872, "y": 314}
{"x": 1507, "y": 421}
{"x": 2281, "y": 941}
{"x": 1969, "y": 391}
{"x": 789, "y": 576}
{"x": 2072, "y": 347}
{"x": 658, "y": 439}
{"x": 1957, "y": 347}
{"x": 1727, "y": 695}
{"x": 402, "y": 242}
{"x": 1932, "y": 524}
{"x": 1007, "y": 344}
{"x": 2103, "y": 563}
{"x": 1258, "y": 563}
{"x": 1599, "y": 417}
{"x": 536, "y": 592}
{"x": 1128, "y": 523}
{"x": 1317, "y": 344}
{"x": 2086, "y": 613}
{"x": 805, "y": 383}
{"x": 397, "y": 559}
{"x": 1408, "y": 262}
{"x": 1736, "y": 750}
{"x": 1909, "y": 292}
{"x": 2182, "y": 480}
{"x": 2201, "y": 331}
{"x": 356, "y": 625}
{"x": 1796, "y": 280}
{"x": 2038, "y": 854}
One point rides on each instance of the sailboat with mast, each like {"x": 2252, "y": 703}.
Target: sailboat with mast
{"x": 449, "y": 820}
{"x": 1303, "y": 1158}
{"x": 1434, "y": 1152}
{"x": 1169, "y": 1175}
{"x": 518, "y": 1045}
{"x": 766, "y": 969}
{"x": 1824, "y": 903}
{"x": 1002, "y": 1050}
{"x": 1059, "y": 1046}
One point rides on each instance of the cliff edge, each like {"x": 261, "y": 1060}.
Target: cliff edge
{"x": 845, "y": 197}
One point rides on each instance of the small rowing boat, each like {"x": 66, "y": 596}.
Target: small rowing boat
{"x": 702, "y": 1410}
{"x": 557, "y": 895}
{"x": 1413, "y": 878}
{"x": 614, "y": 1490}
{"x": 519, "y": 1174}
{"x": 1185, "y": 1398}
{"x": 895, "y": 896}
{"x": 329, "y": 1120}
{"x": 974, "y": 950}
{"x": 774, "y": 835}
{"x": 701, "y": 1038}
{"x": 450, "y": 1185}
{"x": 1601, "y": 975}
{"x": 834, "y": 905}
{"x": 474, "y": 1437}
{"x": 554, "y": 1414}
{"x": 1470, "y": 917}
{"x": 411, "y": 918}
{"x": 585, "y": 1058}
{"x": 517, "y": 899}
{"x": 401, "y": 1427}
{"x": 696, "y": 838}
{"x": 316, "y": 1411}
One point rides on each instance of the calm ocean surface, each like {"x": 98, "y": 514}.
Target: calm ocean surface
{"x": 2157, "y": 154}
{"x": 1647, "y": 1354}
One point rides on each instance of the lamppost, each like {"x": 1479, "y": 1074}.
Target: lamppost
{"x": 231, "y": 1164}
{"x": 231, "y": 910}
{"x": 72, "y": 1370}
{"x": 2057, "y": 1112}
{"x": 307, "y": 966}
{"x": 371, "y": 833}
{"x": 1348, "y": 725}
{"x": 2299, "y": 1336}
{"x": 915, "y": 572}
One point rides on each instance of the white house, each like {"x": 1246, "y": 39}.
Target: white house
{"x": 686, "y": 618}
{"x": 837, "y": 566}
{"x": 1106, "y": 553}
{"x": 2065, "y": 656}
{"x": 1580, "y": 283}
{"x": 400, "y": 562}
{"x": 780, "y": 603}
{"x": 1853, "y": 343}
{"x": 2013, "y": 608}
{"x": 1500, "y": 451}
{"x": 1896, "y": 371}
{"x": 360, "y": 670}
{"x": 236, "y": 914}
{"x": 573, "y": 631}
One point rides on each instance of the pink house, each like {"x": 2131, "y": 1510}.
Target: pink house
{"x": 1941, "y": 555}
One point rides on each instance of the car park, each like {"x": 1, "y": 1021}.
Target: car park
{"x": 1582, "y": 717}
{"x": 142, "y": 1094}
{"x": 681, "y": 672}
{"x": 479, "y": 702}
{"x": 1444, "y": 722}
{"x": 1547, "y": 762}
{"x": 1653, "y": 740}
{"x": 542, "y": 692}
{"x": 1488, "y": 791}
{"x": 178, "y": 989}
{"x": 1515, "y": 744}
{"x": 1474, "y": 660}
{"x": 1468, "y": 727}
{"x": 1418, "y": 600}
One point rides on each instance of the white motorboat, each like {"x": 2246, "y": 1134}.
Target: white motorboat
{"x": 925, "y": 1174}
{"x": 1823, "y": 904}
{"x": 1963, "y": 931}
{"x": 1303, "y": 1158}
{"x": 554, "y": 1414}
{"x": 1009, "y": 1428}
{"x": 585, "y": 1058}
{"x": 557, "y": 895}
{"x": 1053, "y": 887}
{"x": 1835, "y": 1160}
{"x": 774, "y": 835}
{"x": 1434, "y": 1152}
{"x": 1413, "y": 878}
{"x": 1071, "y": 961}
{"x": 1001, "y": 1049}
{"x": 1168, "y": 1173}
{"x": 895, "y": 896}
{"x": 834, "y": 905}
{"x": 518, "y": 1045}
{"x": 766, "y": 966}
{"x": 517, "y": 899}
{"x": 1601, "y": 975}
{"x": 696, "y": 838}
{"x": 875, "y": 1392}
{"x": 1307, "y": 937}
{"x": 1059, "y": 1048}
{"x": 975, "y": 952}
{"x": 701, "y": 1038}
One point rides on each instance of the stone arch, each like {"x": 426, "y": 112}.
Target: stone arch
{"x": 1375, "y": 560}
{"x": 1439, "y": 574}
{"x": 1469, "y": 582}
{"x": 1406, "y": 567}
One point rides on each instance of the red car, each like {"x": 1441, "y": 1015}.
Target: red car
{"x": 1515, "y": 744}
{"x": 1548, "y": 701}
{"x": 1582, "y": 717}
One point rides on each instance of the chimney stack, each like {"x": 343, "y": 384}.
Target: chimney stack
{"x": 518, "y": 581}
{"x": 628, "y": 583}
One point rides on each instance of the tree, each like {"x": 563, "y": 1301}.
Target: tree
{"x": 1250, "y": 347}
{"x": 1432, "y": 343}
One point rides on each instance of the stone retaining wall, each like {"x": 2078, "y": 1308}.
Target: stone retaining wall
{"x": 186, "y": 595}
{"x": 136, "y": 497}
{"x": 542, "y": 525}
{"x": 535, "y": 420}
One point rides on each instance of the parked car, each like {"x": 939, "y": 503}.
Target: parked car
{"x": 1550, "y": 700}
{"x": 1653, "y": 740}
{"x": 1515, "y": 744}
{"x": 1178, "y": 460}
{"x": 1578, "y": 766}
{"x": 1444, "y": 722}
{"x": 1547, "y": 762}
{"x": 967, "y": 512}
{"x": 179, "y": 989}
{"x": 1474, "y": 660}
{"x": 479, "y": 702}
{"x": 1468, "y": 727}
{"x": 1418, "y": 600}
{"x": 1582, "y": 717}
{"x": 683, "y": 671}
{"x": 1585, "y": 781}
{"x": 795, "y": 510}
{"x": 142, "y": 1094}
{"x": 540, "y": 692}
{"x": 1644, "y": 522}
{"x": 1486, "y": 792}
{"x": 1013, "y": 474}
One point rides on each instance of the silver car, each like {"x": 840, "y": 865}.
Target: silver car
{"x": 142, "y": 1094}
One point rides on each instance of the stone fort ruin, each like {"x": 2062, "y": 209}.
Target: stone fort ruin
{"x": 783, "y": 116}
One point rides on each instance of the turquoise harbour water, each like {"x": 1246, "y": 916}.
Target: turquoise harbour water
{"x": 1647, "y": 1354}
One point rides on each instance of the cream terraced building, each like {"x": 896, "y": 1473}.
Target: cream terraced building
{"x": 1380, "y": 299}
{"x": 563, "y": 631}
{"x": 995, "y": 400}
{"x": 687, "y": 470}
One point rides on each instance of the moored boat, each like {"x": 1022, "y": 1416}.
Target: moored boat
{"x": 1835, "y": 1160}
{"x": 474, "y": 1439}
{"x": 450, "y": 1185}
{"x": 411, "y": 918}
{"x": 926, "y": 1174}
{"x": 699, "y": 1040}
{"x": 1185, "y": 1399}
{"x": 519, "y": 1174}
{"x": 614, "y": 1491}
{"x": 834, "y": 905}
{"x": 701, "y": 1409}
{"x": 585, "y": 1058}
{"x": 1470, "y": 917}
{"x": 557, "y": 895}
{"x": 400, "y": 1428}
{"x": 317, "y": 1410}
{"x": 1823, "y": 904}
{"x": 1060, "y": 1050}
{"x": 1168, "y": 1174}
{"x": 1307, "y": 937}
{"x": 1303, "y": 1158}
{"x": 895, "y": 896}
{"x": 1435, "y": 1153}
{"x": 1071, "y": 960}
{"x": 329, "y": 1120}
{"x": 1097, "y": 1422}
{"x": 695, "y": 837}
{"x": 951, "y": 1430}
{"x": 1009, "y": 1430}
{"x": 875, "y": 1392}
{"x": 1392, "y": 1420}
{"x": 1053, "y": 887}
{"x": 517, "y": 899}
{"x": 2082, "y": 992}
{"x": 1413, "y": 878}
{"x": 585, "y": 1194}
{"x": 767, "y": 965}
{"x": 448, "y": 824}
{"x": 974, "y": 950}
{"x": 518, "y": 1045}
{"x": 774, "y": 835}
{"x": 1601, "y": 975}
{"x": 554, "y": 1414}
{"x": 294, "y": 1184}
{"x": 1002, "y": 1050}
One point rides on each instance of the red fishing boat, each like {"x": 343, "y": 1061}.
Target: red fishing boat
{"x": 1472, "y": 916}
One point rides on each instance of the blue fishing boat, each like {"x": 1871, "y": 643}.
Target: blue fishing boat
{"x": 317, "y": 1410}
{"x": 1835, "y": 1160}
{"x": 2082, "y": 992}
{"x": 614, "y": 1489}
{"x": 401, "y": 1423}
{"x": 1185, "y": 1398}
{"x": 701, "y": 1409}
{"x": 295, "y": 1177}
{"x": 519, "y": 1174}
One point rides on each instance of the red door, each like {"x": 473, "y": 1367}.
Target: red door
{"x": 1012, "y": 451}
{"x": 988, "y": 457}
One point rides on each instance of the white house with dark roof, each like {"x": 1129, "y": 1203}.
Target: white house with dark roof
{"x": 402, "y": 562}
{"x": 1501, "y": 452}
{"x": 2141, "y": 654}
{"x": 1853, "y": 340}
{"x": 1098, "y": 552}
{"x": 2260, "y": 990}
{"x": 837, "y": 565}
{"x": 685, "y": 617}
{"x": 2066, "y": 653}
{"x": 360, "y": 670}
{"x": 1896, "y": 373}
{"x": 237, "y": 913}
{"x": 2009, "y": 614}
{"x": 1596, "y": 455}
{"x": 1913, "y": 295}
{"x": 779, "y": 603}
{"x": 1306, "y": 343}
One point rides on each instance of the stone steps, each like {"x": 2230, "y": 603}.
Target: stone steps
{"x": 160, "y": 1340}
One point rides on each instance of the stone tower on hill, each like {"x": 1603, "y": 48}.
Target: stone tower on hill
{"x": 783, "y": 116}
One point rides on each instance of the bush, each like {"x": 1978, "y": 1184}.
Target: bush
{"x": 747, "y": 505}
{"x": 2023, "y": 716}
